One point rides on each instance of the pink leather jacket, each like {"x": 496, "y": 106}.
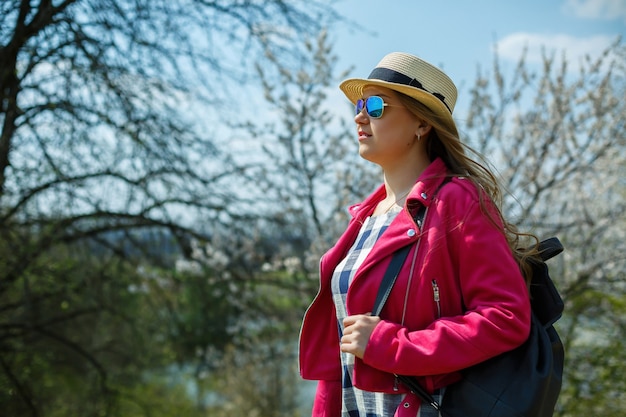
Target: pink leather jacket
{"x": 459, "y": 300}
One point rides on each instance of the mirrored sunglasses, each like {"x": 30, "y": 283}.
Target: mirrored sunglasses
{"x": 374, "y": 106}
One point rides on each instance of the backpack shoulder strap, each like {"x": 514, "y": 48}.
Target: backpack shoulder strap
{"x": 398, "y": 260}
{"x": 549, "y": 248}
{"x": 545, "y": 300}
{"x": 394, "y": 269}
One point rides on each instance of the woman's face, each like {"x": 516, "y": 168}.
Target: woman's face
{"x": 390, "y": 138}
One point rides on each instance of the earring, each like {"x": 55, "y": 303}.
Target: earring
{"x": 419, "y": 137}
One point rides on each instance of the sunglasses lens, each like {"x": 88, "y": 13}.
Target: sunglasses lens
{"x": 375, "y": 106}
{"x": 358, "y": 108}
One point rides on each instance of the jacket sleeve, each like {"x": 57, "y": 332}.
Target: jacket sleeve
{"x": 495, "y": 312}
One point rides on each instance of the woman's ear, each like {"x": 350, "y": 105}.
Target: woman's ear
{"x": 423, "y": 129}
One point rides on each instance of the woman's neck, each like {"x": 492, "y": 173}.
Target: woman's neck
{"x": 399, "y": 180}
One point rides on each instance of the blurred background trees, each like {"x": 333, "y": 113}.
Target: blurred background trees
{"x": 110, "y": 155}
{"x": 159, "y": 240}
{"x": 558, "y": 138}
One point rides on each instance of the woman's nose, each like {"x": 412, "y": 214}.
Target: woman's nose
{"x": 361, "y": 117}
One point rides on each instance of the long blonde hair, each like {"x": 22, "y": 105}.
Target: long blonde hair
{"x": 444, "y": 142}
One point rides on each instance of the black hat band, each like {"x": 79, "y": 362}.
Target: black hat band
{"x": 386, "y": 74}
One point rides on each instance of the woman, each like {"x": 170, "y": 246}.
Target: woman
{"x": 460, "y": 297}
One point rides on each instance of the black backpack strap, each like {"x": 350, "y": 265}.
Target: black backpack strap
{"x": 388, "y": 280}
{"x": 398, "y": 260}
{"x": 546, "y": 302}
{"x": 385, "y": 289}
{"x": 549, "y": 248}
{"x": 383, "y": 293}
{"x": 394, "y": 269}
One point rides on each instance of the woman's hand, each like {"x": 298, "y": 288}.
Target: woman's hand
{"x": 356, "y": 333}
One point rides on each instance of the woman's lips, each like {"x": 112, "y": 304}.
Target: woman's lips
{"x": 363, "y": 135}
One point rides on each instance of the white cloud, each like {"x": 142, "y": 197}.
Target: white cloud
{"x": 596, "y": 9}
{"x": 536, "y": 45}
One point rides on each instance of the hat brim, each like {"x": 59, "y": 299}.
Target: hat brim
{"x": 353, "y": 89}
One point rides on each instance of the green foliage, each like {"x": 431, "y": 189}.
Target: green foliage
{"x": 258, "y": 382}
{"x": 156, "y": 397}
{"x": 76, "y": 330}
{"x": 596, "y": 357}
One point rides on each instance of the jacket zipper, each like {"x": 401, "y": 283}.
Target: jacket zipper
{"x": 436, "y": 297}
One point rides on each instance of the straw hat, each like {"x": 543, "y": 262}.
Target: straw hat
{"x": 414, "y": 77}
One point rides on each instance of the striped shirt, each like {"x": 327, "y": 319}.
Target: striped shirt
{"x": 356, "y": 402}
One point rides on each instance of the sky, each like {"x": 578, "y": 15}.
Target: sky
{"x": 460, "y": 35}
